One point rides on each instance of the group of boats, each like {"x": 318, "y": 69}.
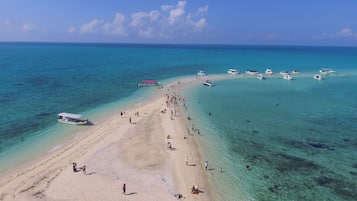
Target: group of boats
{"x": 287, "y": 75}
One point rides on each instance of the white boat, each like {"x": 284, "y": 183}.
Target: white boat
{"x": 269, "y": 71}
{"x": 69, "y": 118}
{"x": 288, "y": 77}
{"x": 283, "y": 73}
{"x": 326, "y": 71}
{"x": 295, "y": 72}
{"x": 208, "y": 83}
{"x": 260, "y": 76}
{"x": 251, "y": 72}
{"x": 317, "y": 77}
{"x": 232, "y": 71}
{"x": 201, "y": 73}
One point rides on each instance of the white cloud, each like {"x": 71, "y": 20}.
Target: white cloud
{"x": 71, "y": 30}
{"x": 142, "y": 18}
{"x": 28, "y": 27}
{"x": 202, "y": 10}
{"x": 170, "y": 22}
{"x": 346, "y": 32}
{"x": 116, "y": 26}
{"x": 343, "y": 33}
{"x": 146, "y": 33}
{"x": 91, "y": 27}
{"x": 200, "y": 24}
{"x": 177, "y": 13}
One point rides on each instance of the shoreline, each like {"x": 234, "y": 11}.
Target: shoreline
{"x": 137, "y": 156}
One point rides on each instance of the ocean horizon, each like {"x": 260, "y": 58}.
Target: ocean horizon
{"x": 275, "y": 139}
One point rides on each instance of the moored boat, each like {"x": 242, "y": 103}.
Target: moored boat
{"x": 269, "y": 71}
{"x": 208, "y": 83}
{"x": 288, "y": 77}
{"x": 326, "y": 71}
{"x": 232, "y": 71}
{"x": 295, "y": 72}
{"x": 283, "y": 73}
{"x": 251, "y": 72}
{"x": 201, "y": 73}
{"x": 70, "y": 118}
{"x": 317, "y": 77}
{"x": 260, "y": 76}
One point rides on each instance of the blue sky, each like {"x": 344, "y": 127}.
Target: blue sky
{"x": 276, "y": 22}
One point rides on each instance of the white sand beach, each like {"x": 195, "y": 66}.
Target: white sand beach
{"x": 115, "y": 152}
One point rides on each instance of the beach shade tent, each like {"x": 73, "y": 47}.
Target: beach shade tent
{"x": 146, "y": 83}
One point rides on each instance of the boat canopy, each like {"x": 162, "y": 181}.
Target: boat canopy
{"x": 149, "y": 81}
{"x": 70, "y": 115}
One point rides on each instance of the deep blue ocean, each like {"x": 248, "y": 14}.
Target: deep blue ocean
{"x": 297, "y": 137}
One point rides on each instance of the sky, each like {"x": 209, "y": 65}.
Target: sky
{"x": 256, "y": 22}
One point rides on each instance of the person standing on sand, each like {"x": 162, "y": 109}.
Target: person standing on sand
{"x": 124, "y": 188}
{"x": 206, "y": 165}
{"x": 74, "y": 167}
{"x": 186, "y": 160}
{"x": 129, "y": 120}
{"x": 84, "y": 170}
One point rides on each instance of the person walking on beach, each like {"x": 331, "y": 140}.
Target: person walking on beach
{"x": 124, "y": 188}
{"x": 74, "y": 167}
{"x": 129, "y": 120}
{"x": 186, "y": 160}
{"x": 84, "y": 170}
{"x": 206, "y": 165}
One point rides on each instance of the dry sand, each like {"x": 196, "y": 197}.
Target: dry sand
{"x": 117, "y": 152}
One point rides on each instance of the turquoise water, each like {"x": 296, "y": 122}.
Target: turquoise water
{"x": 297, "y": 137}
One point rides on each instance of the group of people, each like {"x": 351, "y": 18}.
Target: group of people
{"x": 75, "y": 169}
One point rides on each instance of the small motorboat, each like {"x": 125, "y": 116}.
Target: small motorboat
{"x": 251, "y": 72}
{"x": 232, "y": 71}
{"x": 269, "y": 71}
{"x": 326, "y": 71}
{"x": 295, "y": 72}
{"x": 283, "y": 73}
{"x": 208, "y": 83}
{"x": 260, "y": 76}
{"x": 201, "y": 73}
{"x": 317, "y": 77}
{"x": 288, "y": 77}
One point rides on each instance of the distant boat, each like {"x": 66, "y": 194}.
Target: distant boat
{"x": 208, "y": 83}
{"x": 269, "y": 71}
{"x": 317, "y": 77}
{"x": 295, "y": 72}
{"x": 201, "y": 73}
{"x": 283, "y": 73}
{"x": 260, "y": 76}
{"x": 288, "y": 77}
{"x": 326, "y": 71}
{"x": 251, "y": 72}
{"x": 70, "y": 118}
{"x": 148, "y": 83}
{"x": 232, "y": 71}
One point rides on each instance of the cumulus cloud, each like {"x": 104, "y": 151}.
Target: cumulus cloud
{"x": 71, "y": 30}
{"x": 140, "y": 18}
{"x": 91, "y": 27}
{"x": 177, "y": 13}
{"x": 26, "y": 27}
{"x": 116, "y": 26}
{"x": 343, "y": 33}
{"x": 168, "y": 22}
{"x": 346, "y": 32}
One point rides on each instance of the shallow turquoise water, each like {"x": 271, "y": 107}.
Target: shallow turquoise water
{"x": 298, "y": 137}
